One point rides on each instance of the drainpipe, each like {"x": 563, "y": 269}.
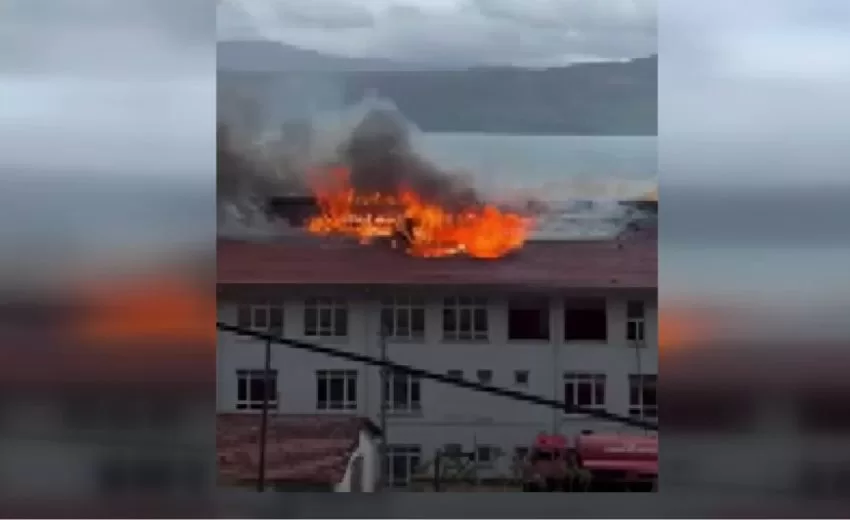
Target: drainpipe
{"x": 383, "y": 410}
{"x": 264, "y": 418}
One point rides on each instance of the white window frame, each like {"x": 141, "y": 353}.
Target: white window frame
{"x": 349, "y": 380}
{"x": 261, "y": 309}
{"x": 638, "y": 409}
{"x": 409, "y": 405}
{"x": 252, "y": 402}
{"x": 402, "y": 309}
{"x": 636, "y": 322}
{"x": 595, "y": 380}
{"x": 332, "y": 306}
{"x": 471, "y": 306}
{"x": 412, "y": 456}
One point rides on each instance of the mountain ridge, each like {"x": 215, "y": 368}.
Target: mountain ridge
{"x": 598, "y": 98}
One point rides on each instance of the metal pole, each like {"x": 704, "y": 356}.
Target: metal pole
{"x": 385, "y": 467}
{"x": 264, "y": 421}
{"x": 437, "y": 469}
{"x": 637, "y": 346}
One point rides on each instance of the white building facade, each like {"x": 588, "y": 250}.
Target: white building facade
{"x": 590, "y": 348}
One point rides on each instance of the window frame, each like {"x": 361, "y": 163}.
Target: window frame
{"x": 335, "y": 308}
{"x": 471, "y": 306}
{"x": 639, "y": 409}
{"x": 251, "y": 308}
{"x": 350, "y": 380}
{"x": 412, "y": 455}
{"x": 408, "y": 306}
{"x": 597, "y": 380}
{"x": 413, "y": 406}
{"x": 636, "y": 321}
{"x": 250, "y": 375}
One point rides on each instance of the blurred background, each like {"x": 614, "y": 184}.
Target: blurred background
{"x": 107, "y": 140}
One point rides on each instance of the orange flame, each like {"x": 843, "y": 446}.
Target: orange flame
{"x": 146, "y": 310}
{"x": 485, "y": 232}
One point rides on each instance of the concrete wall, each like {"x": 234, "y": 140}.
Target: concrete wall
{"x": 449, "y": 414}
{"x": 367, "y": 448}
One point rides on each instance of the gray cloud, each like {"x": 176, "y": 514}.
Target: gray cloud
{"x": 97, "y": 86}
{"x": 755, "y": 93}
{"x": 473, "y": 31}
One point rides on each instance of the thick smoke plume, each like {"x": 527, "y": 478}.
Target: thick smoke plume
{"x": 373, "y": 140}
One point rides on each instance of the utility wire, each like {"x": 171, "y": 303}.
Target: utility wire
{"x": 442, "y": 378}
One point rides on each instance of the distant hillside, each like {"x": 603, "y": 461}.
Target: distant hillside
{"x": 585, "y": 99}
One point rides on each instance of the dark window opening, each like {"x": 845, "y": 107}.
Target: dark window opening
{"x": 521, "y": 377}
{"x": 586, "y": 320}
{"x": 485, "y": 377}
{"x": 528, "y": 320}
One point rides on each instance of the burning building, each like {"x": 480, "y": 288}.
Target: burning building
{"x": 385, "y": 251}
{"x": 570, "y": 319}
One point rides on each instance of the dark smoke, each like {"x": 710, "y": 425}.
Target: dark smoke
{"x": 381, "y": 159}
{"x": 254, "y": 174}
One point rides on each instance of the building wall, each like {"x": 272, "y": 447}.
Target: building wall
{"x": 367, "y": 448}
{"x": 448, "y": 414}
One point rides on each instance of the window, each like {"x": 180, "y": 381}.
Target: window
{"x": 325, "y": 317}
{"x": 585, "y": 390}
{"x": 485, "y": 377}
{"x": 336, "y": 389}
{"x": 251, "y": 387}
{"x": 521, "y": 377}
{"x": 635, "y": 321}
{"x": 403, "y": 392}
{"x": 528, "y": 319}
{"x": 642, "y": 396}
{"x": 265, "y": 318}
{"x": 403, "y": 318}
{"x": 465, "y": 319}
{"x": 585, "y": 320}
{"x": 485, "y": 455}
{"x": 455, "y": 374}
{"x": 403, "y": 461}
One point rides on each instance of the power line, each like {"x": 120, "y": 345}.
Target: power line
{"x": 442, "y": 378}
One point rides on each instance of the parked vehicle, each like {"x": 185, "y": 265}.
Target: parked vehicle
{"x": 591, "y": 462}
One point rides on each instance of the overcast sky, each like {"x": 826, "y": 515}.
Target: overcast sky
{"x": 513, "y": 31}
{"x": 754, "y": 92}
{"x": 98, "y": 86}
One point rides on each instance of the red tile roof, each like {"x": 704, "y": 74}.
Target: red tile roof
{"x": 303, "y": 449}
{"x": 629, "y": 263}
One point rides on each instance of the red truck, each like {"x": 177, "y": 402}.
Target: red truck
{"x": 592, "y": 462}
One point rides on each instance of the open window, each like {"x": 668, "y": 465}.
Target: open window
{"x": 585, "y": 319}
{"x": 528, "y": 319}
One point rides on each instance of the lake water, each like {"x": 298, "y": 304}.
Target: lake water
{"x": 551, "y": 165}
